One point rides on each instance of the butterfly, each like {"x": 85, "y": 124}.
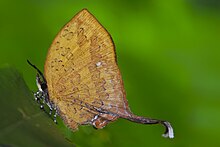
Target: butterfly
{"x": 82, "y": 82}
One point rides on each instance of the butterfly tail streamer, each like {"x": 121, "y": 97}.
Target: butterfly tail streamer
{"x": 143, "y": 120}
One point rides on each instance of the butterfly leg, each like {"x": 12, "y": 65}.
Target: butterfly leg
{"x": 55, "y": 116}
{"x": 38, "y": 98}
{"x": 50, "y": 113}
{"x": 41, "y": 99}
{"x": 52, "y": 109}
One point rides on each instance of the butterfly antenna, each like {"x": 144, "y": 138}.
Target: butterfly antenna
{"x": 41, "y": 74}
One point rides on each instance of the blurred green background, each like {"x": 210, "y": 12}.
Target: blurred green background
{"x": 168, "y": 53}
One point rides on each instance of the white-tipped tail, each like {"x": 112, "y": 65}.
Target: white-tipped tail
{"x": 169, "y": 132}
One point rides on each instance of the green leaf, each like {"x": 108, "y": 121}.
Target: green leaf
{"x": 22, "y": 122}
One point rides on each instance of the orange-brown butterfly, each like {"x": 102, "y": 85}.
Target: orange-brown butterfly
{"x": 82, "y": 80}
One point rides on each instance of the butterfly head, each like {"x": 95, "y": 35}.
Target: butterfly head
{"x": 41, "y": 85}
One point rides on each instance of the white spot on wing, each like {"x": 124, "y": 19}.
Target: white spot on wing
{"x": 98, "y": 64}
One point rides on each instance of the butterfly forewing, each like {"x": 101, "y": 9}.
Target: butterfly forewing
{"x": 82, "y": 75}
